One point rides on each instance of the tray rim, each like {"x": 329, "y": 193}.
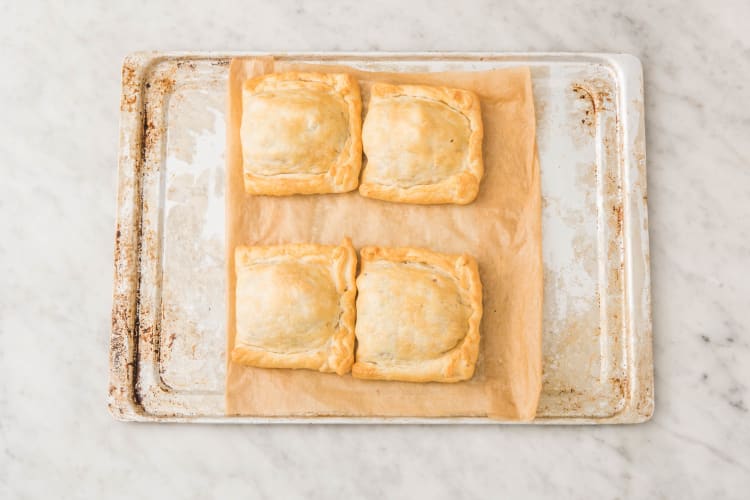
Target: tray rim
{"x": 122, "y": 396}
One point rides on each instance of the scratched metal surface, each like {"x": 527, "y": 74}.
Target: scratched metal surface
{"x": 167, "y": 351}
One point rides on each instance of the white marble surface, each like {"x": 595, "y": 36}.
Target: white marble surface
{"x": 58, "y": 142}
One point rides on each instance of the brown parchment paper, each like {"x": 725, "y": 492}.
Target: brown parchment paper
{"x": 501, "y": 229}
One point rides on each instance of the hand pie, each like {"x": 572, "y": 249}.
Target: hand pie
{"x": 423, "y": 145}
{"x": 301, "y": 133}
{"x": 418, "y": 315}
{"x": 295, "y": 306}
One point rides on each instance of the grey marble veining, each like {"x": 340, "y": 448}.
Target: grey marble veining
{"x": 58, "y": 143}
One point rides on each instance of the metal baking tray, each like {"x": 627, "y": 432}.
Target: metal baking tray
{"x": 167, "y": 354}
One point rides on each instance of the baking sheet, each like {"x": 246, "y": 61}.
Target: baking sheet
{"x": 501, "y": 229}
{"x": 167, "y": 352}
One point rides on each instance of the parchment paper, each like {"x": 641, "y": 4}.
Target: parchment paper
{"x": 501, "y": 229}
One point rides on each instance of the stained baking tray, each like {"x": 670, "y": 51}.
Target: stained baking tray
{"x": 167, "y": 353}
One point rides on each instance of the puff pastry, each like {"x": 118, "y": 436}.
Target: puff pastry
{"x": 423, "y": 145}
{"x": 295, "y": 306}
{"x": 418, "y": 315}
{"x": 301, "y": 133}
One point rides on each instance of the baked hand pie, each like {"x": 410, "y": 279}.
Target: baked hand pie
{"x": 301, "y": 133}
{"x": 295, "y": 306}
{"x": 418, "y": 315}
{"x": 423, "y": 145}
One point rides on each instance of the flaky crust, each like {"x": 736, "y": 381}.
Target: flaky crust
{"x": 343, "y": 173}
{"x": 336, "y": 354}
{"x": 453, "y": 365}
{"x": 462, "y": 186}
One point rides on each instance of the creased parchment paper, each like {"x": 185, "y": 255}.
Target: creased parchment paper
{"x": 501, "y": 229}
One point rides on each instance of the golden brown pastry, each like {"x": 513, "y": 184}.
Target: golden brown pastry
{"x": 423, "y": 145}
{"x": 418, "y": 315}
{"x": 301, "y": 133}
{"x": 295, "y": 306}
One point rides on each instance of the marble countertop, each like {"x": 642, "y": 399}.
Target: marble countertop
{"x": 58, "y": 145}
